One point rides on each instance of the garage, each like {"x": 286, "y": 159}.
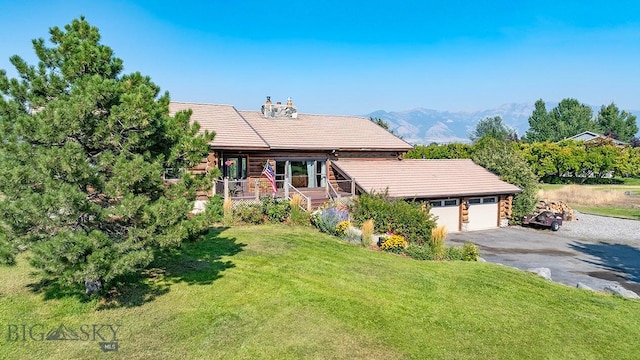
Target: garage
{"x": 448, "y": 213}
{"x": 463, "y": 195}
{"x": 483, "y": 213}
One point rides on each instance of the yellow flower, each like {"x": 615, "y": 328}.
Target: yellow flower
{"x": 394, "y": 243}
{"x": 342, "y": 226}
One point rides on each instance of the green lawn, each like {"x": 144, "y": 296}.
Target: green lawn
{"x": 611, "y": 211}
{"x": 278, "y": 292}
{"x": 632, "y": 181}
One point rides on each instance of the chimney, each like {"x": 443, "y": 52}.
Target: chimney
{"x": 278, "y": 110}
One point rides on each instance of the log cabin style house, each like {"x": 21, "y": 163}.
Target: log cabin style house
{"x": 324, "y": 157}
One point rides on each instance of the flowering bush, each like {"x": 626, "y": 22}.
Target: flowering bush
{"x": 328, "y": 219}
{"x": 406, "y": 218}
{"x": 470, "y": 252}
{"x": 394, "y": 243}
{"x": 341, "y": 228}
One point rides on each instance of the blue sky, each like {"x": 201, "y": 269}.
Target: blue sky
{"x": 355, "y": 57}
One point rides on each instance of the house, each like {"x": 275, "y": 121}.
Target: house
{"x": 323, "y": 157}
{"x": 589, "y": 136}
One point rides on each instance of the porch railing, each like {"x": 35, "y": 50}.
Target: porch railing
{"x": 332, "y": 193}
{"x": 344, "y": 187}
{"x": 289, "y": 187}
{"x": 254, "y": 189}
{"x": 246, "y": 188}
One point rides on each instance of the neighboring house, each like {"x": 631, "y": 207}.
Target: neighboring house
{"x": 588, "y": 136}
{"x": 327, "y": 156}
{"x": 597, "y": 139}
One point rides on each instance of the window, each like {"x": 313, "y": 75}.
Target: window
{"x": 442, "y": 203}
{"x": 485, "y": 200}
{"x": 451, "y": 202}
{"x": 171, "y": 174}
{"x": 234, "y": 167}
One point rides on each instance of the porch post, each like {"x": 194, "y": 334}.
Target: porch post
{"x": 257, "y": 186}
{"x": 327, "y": 165}
{"x": 287, "y": 179}
{"x": 326, "y": 188}
{"x": 353, "y": 186}
{"x": 226, "y": 188}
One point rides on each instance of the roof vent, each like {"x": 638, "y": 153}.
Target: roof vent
{"x": 271, "y": 111}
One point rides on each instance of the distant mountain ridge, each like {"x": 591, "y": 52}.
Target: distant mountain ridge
{"x": 426, "y": 126}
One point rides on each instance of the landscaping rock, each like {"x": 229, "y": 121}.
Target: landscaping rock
{"x": 542, "y": 272}
{"x": 584, "y": 286}
{"x": 92, "y": 286}
{"x": 619, "y": 290}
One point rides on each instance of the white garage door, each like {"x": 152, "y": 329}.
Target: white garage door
{"x": 448, "y": 213}
{"x": 483, "y": 213}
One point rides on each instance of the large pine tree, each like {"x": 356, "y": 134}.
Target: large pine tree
{"x": 82, "y": 151}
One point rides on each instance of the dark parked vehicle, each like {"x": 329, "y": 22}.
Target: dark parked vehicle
{"x": 544, "y": 219}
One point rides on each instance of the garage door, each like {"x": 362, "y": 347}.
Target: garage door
{"x": 483, "y": 213}
{"x": 448, "y": 213}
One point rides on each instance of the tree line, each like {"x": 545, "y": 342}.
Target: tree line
{"x": 568, "y": 119}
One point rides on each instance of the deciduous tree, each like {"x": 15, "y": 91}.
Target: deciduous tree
{"x": 500, "y": 157}
{"x": 83, "y": 151}
{"x": 503, "y": 159}
{"x": 494, "y": 127}
{"x": 618, "y": 124}
{"x": 541, "y": 125}
{"x": 567, "y": 119}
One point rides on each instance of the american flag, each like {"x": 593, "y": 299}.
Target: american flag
{"x": 271, "y": 176}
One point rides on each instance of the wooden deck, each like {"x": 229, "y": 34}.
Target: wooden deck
{"x": 318, "y": 197}
{"x": 243, "y": 191}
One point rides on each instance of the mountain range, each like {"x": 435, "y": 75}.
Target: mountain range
{"x": 426, "y": 126}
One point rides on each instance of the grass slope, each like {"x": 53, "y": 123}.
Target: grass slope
{"x": 277, "y": 292}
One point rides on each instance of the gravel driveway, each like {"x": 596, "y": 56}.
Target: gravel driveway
{"x": 594, "y": 250}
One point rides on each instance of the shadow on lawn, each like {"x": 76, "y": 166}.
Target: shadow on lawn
{"x": 617, "y": 258}
{"x": 195, "y": 263}
{"x": 200, "y": 262}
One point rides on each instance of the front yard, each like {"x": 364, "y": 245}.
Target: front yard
{"x": 281, "y": 292}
